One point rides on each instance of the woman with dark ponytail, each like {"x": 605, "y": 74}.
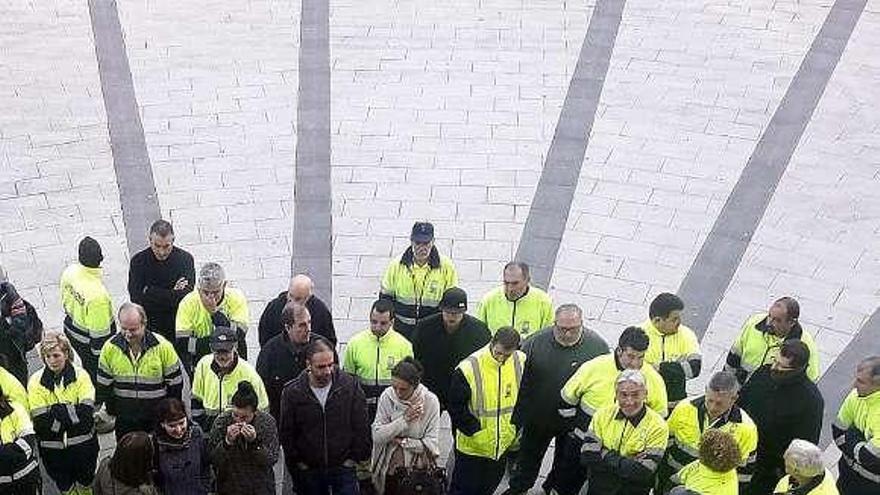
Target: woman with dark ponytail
{"x": 244, "y": 446}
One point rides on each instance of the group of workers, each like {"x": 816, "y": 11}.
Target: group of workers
{"x": 168, "y": 371}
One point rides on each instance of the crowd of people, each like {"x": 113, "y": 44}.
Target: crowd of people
{"x": 168, "y": 373}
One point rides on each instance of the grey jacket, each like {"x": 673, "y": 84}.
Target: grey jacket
{"x": 245, "y": 468}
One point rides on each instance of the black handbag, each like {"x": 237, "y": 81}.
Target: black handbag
{"x": 423, "y": 477}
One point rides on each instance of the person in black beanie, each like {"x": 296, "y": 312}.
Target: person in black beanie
{"x": 20, "y": 329}
{"x": 159, "y": 277}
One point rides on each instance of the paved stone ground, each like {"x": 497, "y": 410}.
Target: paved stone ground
{"x": 444, "y": 112}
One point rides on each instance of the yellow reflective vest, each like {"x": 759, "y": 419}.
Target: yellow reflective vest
{"x": 132, "y": 386}
{"x": 755, "y": 347}
{"x": 856, "y": 432}
{"x": 675, "y": 356}
{"x": 700, "y": 479}
{"x": 593, "y": 386}
{"x": 528, "y": 314}
{"x": 17, "y": 441}
{"x": 826, "y": 487}
{"x": 690, "y": 419}
{"x": 494, "y": 389}
{"x": 88, "y": 307}
{"x": 72, "y": 424}
{"x": 194, "y": 325}
{"x": 416, "y": 290}
{"x": 371, "y": 360}
{"x": 12, "y": 388}
{"x": 212, "y": 392}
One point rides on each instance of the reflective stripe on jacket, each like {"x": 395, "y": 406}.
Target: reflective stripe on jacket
{"x": 857, "y": 434}
{"x": 700, "y": 479}
{"x": 494, "y": 389}
{"x": 212, "y": 392}
{"x": 62, "y": 407}
{"x": 371, "y": 360}
{"x": 17, "y": 445}
{"x": 676, "y": 357}
{"x": 416, "y": 290}
{"x": 528, "y": 314}
{"x": 88, "y": 306}
{"x": 756, "y": 346}
{"x": 194, "y": 324}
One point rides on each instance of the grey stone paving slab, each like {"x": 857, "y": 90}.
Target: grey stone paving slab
{"x": 545, "y": 225}
{"x": 710, "y": 274}
{"x": 312, "y": 226}
{"x": 134, "y": 175}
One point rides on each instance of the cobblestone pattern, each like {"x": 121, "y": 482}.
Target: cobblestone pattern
{"x": 690, "y": 88}
{"x": 217, "y": 84}
{"x": 56, "y": 172}
{"x": 442, "y": 111}
{"x": 819, "y": 238}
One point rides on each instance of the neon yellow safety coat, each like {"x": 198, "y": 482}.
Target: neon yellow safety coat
{"x": 676, "y": 356}
{"x": 687, "y": 423}
{"x": 12, "y": 388}
{"x": 593, "y": 386}
{"x": 89, "y": 308}
{"x": 194, "y": 324}
{"x": 826, "y": 487}
{"x": 212, "y": 392}
{"x": 629, "y": 449}
{"x": 528, "y": 314}
{"x": 416, "y": 290}
{"x": 17, "y": 447}
{"x": 494, "y": 389}
{"x": 700, "y": 479}
{"x": 756, "y": 346}
{"x": 857, "y": 434}
{"x": 371, "y": 360}
{"x": 71, "y": 424}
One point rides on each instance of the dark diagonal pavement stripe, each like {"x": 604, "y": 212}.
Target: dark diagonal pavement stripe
{"x": 710, "y": 275}
{"x": 134, "y": 175}
{"x": 312, "y": 222}
{"x": 545, "y": 225}
{"x": 837, "y": 380}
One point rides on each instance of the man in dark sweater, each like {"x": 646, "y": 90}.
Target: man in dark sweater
{"x": 283, "y": 357}
{"x": 299, "y": 291}
{"x": 159, "y": 277}
{"x": 785, "y": 404}
{"x": 553, "y": 355}
{"x": 442, "y": 340}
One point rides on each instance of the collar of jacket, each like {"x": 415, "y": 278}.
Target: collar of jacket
{"x": 165, "y": 442}
{"x": 523, "y": 296}
{"x": 635, "y": 420}
{"x": 49, "y": 379}
{"x": 219, "y": 372}
{"x": 96, "y": 272}
{"x": 149, "y": 342}
{"x": 807, "y": 487}
{"x": 795, "y": 334}
{"x": 733, "y": 415}
{"x": 408, "y": 258}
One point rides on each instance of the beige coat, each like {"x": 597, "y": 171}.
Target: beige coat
{"x": 390, "y": 424}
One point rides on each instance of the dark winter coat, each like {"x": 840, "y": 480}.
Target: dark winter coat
{"x": 270, "y": 321}
{"x": 151, "y": 284}
{"x": 184, "y": 465}
{"x": 106, "y": 484}
{"x": 245, "y": 468}
{"x": 324, "y": 437}
{"x": 18, "y": 335}
{"x": 279, "y": 362}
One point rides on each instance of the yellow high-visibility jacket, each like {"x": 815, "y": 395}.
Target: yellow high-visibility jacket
{"x": 756, "y": 346}
{"x": 528, "y": 314}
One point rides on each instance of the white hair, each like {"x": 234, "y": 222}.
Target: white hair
{"x": 631, "y": 376}
{"x": 211, "y": 275}
{"x": 804, "y": 458}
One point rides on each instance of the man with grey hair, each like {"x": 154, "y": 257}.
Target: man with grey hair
{"x": 857, "y": 432}
{"x": 717, "y": 409}
{"x": 201, "y": 312}
{"x": 552, "y": 356}
{"x": 301, "y": 291}
{"x": 20, "y": 329}
{"x": 806, "y": 473}
{"x": 625, "y": 442}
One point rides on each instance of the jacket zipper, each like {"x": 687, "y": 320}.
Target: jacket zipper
{"x": 513, "y": 316}
{"x": 378, "y": 349}
{"x": 663, "y": 348}
{"x": 498, "y": 413}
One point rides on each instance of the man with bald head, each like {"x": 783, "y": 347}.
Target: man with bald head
{"x": 299, "y": 291}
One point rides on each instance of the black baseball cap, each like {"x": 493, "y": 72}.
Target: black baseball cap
{"x": 223, "y": 339}
{"x": 422, "y": 232}
{"x": 454, "y": 300}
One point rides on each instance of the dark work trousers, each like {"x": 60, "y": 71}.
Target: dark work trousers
{"x": 338, "y": 481}
{"x": 475, "y": 475}
{"x": 532, "y": 448}
{"x": 570, "y": 475}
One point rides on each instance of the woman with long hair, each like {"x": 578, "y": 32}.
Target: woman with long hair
{"x": 406, "y": 426}
{"x": 62, "y": 401}
{"x": 130, "y": 470}
{"x": 182, "y": 461}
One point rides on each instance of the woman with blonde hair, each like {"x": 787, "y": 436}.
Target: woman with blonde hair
{"x": 62, "y": 402}
{"x": 714, "y": 473}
